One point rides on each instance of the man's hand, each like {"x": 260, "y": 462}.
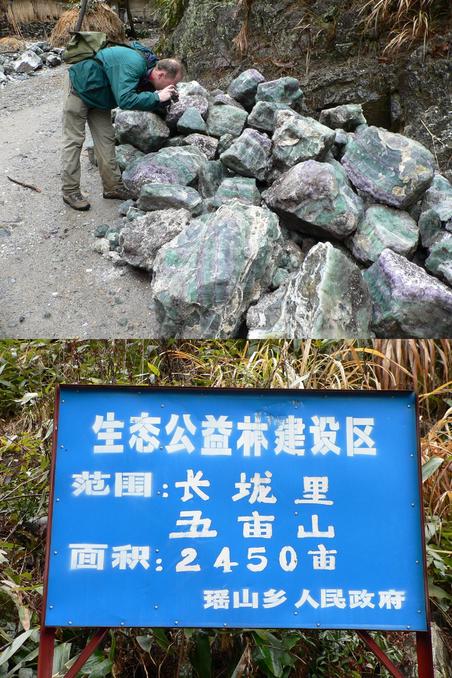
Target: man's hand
{"x": 167, "y": 93}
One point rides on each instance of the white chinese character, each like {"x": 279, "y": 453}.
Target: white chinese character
{"x": 273, "y": 598}
{"x": 323, "y": 559}
{"x": 143, "y": 433}
{"x": 314, "y": 491}
{"x": 359, "y": 440}
{"x": 290, "y": 436}
{"x": 256, "y": 525}
{"x": 194, "y": 483}
{"x": 130, "y": 556}
{"x": 105, "y": 429}
{"x": 133, "y": 484}
{"x": 216, "y": 434}
{"x": 332, "y": 598}
{"x": 91, "y": 484}
{"x": 324, "y": 433}
{"x": 252, "y": 436}
{"x": 391, "y": 599}
{"x": 87, "y": 556}
{"x": 261, "y": 489}
{"x": 242, "y": 599}
{"x": 218, "y": 599}
{"x": 315, "y": 531}
{"x": 360, "y": 598}
{"x": 180, "y": 440}
{"x": 306, "y": 598}
{"x": 198, "y": 527}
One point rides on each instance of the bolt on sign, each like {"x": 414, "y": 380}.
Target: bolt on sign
{"x": 236, "y": 508}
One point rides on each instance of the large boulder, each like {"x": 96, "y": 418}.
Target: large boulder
{"x": 249, "y": 155}
{"x": 283, "y": 90}
{"x": 326, "y": 299}
{"x": 178, "y": 108}
{"x": 439, "y": 262}
{"x": 169, "y": 196}
{"x": 180, "y": 165}
{"x": 144, "y": 130}
{"x": 263, "y": 115}
{"x": 315, "y": 198}
{"x": 236, "y": 188}
{"x": 208, "y": 275}
{"x": 226, "y": 120}
{"x": 126, "y": 154}
{"x": 387, "y": 167}
{"x": 407, "y": 301}
{"x": 141, "y": 239}
{"x": 435, "y": 221}
{"x": 347, "y": 117}
{"x": 207, "y": 145}
{"x": 384, "y": 227}
{"x": 244, "y": 88}
{"x": 191, "y": 122}
{"x": 298, "y": 138}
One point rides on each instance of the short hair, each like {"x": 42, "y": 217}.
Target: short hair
{"x": 172, "y": 67}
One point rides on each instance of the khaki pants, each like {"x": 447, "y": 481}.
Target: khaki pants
{"x": 75, "y": 116}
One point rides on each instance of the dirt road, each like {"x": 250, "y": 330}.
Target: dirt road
{"x": 52, "y": 283}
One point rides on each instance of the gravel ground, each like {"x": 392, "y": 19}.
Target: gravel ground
{"x": 52, "y": 284}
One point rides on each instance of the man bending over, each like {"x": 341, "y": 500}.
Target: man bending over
{"x": 117, "y": 76}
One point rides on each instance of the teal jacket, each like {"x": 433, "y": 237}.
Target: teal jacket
{"x": 112, "y": 79}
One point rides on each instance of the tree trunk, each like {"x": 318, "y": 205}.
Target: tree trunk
{"x": 81, "y": 16}
{"x": 130, "y": 20}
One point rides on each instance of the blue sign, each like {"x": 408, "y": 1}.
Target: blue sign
{"x": 236, "y": 508}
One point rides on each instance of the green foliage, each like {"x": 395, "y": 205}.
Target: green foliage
{"x": 170, "y": 12}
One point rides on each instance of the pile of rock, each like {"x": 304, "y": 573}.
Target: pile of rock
{"x": 254, "y": 219}
{"x": 20, "y": 65}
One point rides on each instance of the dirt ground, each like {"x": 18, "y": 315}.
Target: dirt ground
{"x": 52, "y": 283}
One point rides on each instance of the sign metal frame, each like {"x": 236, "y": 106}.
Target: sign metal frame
{"x": 48, "y": 633}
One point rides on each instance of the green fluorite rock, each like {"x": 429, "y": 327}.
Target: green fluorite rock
{"x": 262, "y": 117}
{"x": 298, "y": 138}
{"x": 142, "y": 129}
{"x": 249, "y": 155}
{"x": 226, "y": 120}
{"x": 440, "y": 260}
{"x": 126, "y": 154}
{"x": 383, "y": 227}
{"x": 315, "y": 198}
{"x": 435, "y": 220}
{"x": 211, "y": 175}
{"x": 347, "y": 117}
{"x": 243, "y": 88}
{"x": 237, "y": 188}
{"x": 390, "y": 168}
{"x": 284, "y": 90}
{"x": 169, "y": 196}
{"x": 206, "y": 277}
{"x": 407, "y": 301}
{"x": 191, "y": 121}
{"x": 326, "y": 299}
{"x": 141, "y": 239}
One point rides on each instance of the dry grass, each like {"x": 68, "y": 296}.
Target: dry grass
{"x": 11, "y": 44}
{"x": 101, "y": 18}
{"x": 26, "y": 11}
{"x": 407, "y": 21}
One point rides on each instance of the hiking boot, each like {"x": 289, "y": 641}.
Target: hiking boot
{"x": 118, "y": 193}
{"x": 76, "y": 201}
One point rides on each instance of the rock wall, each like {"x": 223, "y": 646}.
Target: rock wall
{"x": 319, "y": 43}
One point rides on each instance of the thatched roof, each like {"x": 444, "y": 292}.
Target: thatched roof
{"x": 100, "y": 18}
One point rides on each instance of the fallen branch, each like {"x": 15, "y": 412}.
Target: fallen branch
{"x": 21, "y": 183}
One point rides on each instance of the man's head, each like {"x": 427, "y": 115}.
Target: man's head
{"x": 166, "y": 72}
